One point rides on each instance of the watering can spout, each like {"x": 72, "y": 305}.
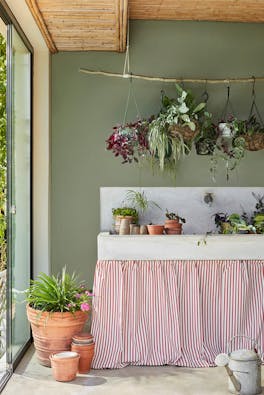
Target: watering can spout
{"x": 223, "y": 360}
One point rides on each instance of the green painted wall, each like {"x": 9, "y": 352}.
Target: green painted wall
{"x": 84, "y": 109}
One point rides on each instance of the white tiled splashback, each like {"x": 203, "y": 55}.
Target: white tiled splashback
{"x": 187, "y": 202}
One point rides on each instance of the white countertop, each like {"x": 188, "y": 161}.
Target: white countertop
{"x": 146, "y": 247}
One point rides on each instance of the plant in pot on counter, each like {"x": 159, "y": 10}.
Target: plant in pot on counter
{"x": 173, "y": 223}
{"x": 258, "y": 215}
{"x": 172, "y": 132}
{"x": 233, "y": 223}
{"x": 140, "y": 201}
{"x": 129, "y": 213}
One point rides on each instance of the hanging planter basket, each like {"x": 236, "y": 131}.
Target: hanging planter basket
{"x": 254, "y": 142}
{"x": 187, "y": 134}
{"x": 254, "y": 139}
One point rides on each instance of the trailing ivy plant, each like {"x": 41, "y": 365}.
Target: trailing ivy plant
{"x": 3, "y": 157}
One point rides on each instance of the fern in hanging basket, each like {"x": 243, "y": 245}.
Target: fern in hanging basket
{"x": 172, "y": 132}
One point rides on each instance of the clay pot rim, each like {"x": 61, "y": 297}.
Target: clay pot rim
{"x": 71, "y": 355}
{"x": 156, "y": 225}
{"x": 55, "y": 313}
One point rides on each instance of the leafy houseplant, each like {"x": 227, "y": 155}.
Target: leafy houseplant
{"x": 253, "y": 134}
{"x": 120, "y": 213}
{"x": 258, "y": 215}
{"x": 129, "y": 141}
{"x": 57, "y": 309}
{"x": 173, "y": 224}
{"x": 233, "y": 223}
{"x": 140, "y": 201}
{"x": 173, "y": 130}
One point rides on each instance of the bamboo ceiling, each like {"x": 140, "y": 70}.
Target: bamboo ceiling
{"x": 83, "y": 25}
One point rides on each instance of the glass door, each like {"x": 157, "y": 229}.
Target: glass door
{"x": 19, "y": 192}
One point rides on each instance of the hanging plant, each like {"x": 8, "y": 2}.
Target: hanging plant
{"x": 205, "y": 141}
{"x": 253, "y": 132}
{"x": 129, "y": 141}
{"x": 172, "y": 132}
{"x": 229, "y": 147}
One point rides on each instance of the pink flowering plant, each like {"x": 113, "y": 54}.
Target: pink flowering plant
{"x": 59, "y": 293}
{"x": 129, "y": 141}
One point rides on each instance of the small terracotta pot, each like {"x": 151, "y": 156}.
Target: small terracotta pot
{"x": 124, "y": 226}
{"x": 173, "y": 227}
{"x": 155, "y": 229}
{"x": 64, "y": 365}
{"x": 86, "y": 352}
{"x": 118, "y": 219}
{"x": 143, "y": 230}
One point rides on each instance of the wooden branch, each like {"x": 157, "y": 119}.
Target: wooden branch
{"x": 164, "y": 79}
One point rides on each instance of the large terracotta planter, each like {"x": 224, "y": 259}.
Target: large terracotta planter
{"x": 53, "y": 332}
{"x": 173, "y": 227}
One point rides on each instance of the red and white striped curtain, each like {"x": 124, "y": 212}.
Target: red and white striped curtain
{"x": 175, "y": 312}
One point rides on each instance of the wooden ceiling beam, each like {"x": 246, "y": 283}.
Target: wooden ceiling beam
{"x": 37, "y": 15}
{"x": 80, "y": 21}
{"x": 198, "y": 10}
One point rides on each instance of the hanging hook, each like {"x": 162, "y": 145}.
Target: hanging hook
{"x": 228, "y": 91}
{"x": 253, "y": 86}
{"x": 205, "y": 93}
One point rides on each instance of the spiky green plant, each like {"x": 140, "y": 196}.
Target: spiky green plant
{"x": 139, "y": 200}
{"x": 59, "y": 293}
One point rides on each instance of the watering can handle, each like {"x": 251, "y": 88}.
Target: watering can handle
{"x": 247, "y": 337}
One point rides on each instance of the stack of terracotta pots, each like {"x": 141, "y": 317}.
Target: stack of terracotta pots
{"x": 66, "y": 364}
{"x": 83, "y": 344}
{"x": 173, "y": 227}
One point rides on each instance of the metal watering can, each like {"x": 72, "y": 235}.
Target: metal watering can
{"x": 243, "y": 368}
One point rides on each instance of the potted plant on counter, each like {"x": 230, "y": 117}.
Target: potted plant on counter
{"x": 233, "y": 223}
{"x": 173, "y": 223}
{"x": 58, "y": 307}
{"x": 129, "y": 213}
{"x": 258, "y": 215}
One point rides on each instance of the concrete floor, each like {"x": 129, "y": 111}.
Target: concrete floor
{"x": 31, "y": 378}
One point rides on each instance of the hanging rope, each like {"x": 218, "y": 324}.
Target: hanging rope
{"x": 169, "y": 80}
{"x": 254, "y": 104}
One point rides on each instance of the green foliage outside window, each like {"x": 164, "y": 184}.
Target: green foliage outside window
{"x": 3, "y": 158}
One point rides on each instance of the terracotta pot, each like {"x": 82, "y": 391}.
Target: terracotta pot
{"x": 83, "y": 344}
{"x": 118, "y": 219}
{"x": 173, "y": 227}
{"x": 143, "y": 230}
{"x": 124, "y": 227}
{"x": 155, "y": 229}
{"x": 86, "y": 352}
{"x": 52, "y": 332}
{"x": 64, "y": 365}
